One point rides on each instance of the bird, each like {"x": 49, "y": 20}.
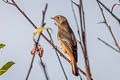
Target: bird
{"x": 67, "y": 41}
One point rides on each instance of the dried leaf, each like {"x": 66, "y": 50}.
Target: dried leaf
{"x": 34, "y": 49}
{"x": 2, "y": 46}
{"x": 41, "y": 51}
{"x": 39, "y": 30}
{"x": 6, "y": 67}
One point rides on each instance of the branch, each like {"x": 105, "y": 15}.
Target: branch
{"x": 75, "y": 19}
{"x": 108, "y": 44}
{"x": 109, "y": 11}
{"x": 43, "y": 15}
{"x": 83, "y": 43}
{"x": 14, "y": 4}
{"x": 6, "y": 1}
{"x": 30, "y": 68}
{"x": 42, "y": 24}
{"x": 43, "y": 19}
{"x": 44, "y": 69}
{"x": 81, "y": 22}
{"x": 109, "y": 28}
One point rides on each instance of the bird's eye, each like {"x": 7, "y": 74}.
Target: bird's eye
{"x": 57, "y": 17}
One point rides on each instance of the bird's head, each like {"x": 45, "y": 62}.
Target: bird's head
{"x": 60, "y": 19}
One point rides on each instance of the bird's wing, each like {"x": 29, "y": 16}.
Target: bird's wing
{"x": 69, "y": 41}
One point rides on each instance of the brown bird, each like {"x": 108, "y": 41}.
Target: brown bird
{"x": 67, "y": 41}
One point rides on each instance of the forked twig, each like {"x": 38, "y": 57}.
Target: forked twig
{"x": 78, "y": 30}
{"x": 109, "y": 11}
{"x": 109, "y": 28}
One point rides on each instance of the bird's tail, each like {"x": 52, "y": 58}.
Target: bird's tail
{"x": 74, "y": 67}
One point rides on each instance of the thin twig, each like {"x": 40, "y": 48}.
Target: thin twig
{"x": 43, "y": 15}
{"x": 43, "y": 24}
{"x": 23, "y": 14}
{"x": 108, "y": 44}
{"x": 83, "y": 44}
{"x": 30, "y": 68}
{"x": 6, "y": 1}
{"x": 109, "y": 11}
{"x": 81, "y": 22}
{"x": 43, "y": 19}
{"x": 75, "y": 20}
{"x": 43, "y": 66}
{"x": 109, "y": 28}
{"x": 58, "y": 57}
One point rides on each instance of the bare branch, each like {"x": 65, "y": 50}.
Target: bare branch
{"x": 6, "y": 1}
{"x": 83, "y": 34}
{"x": 43, "y": 15}
{"x": 75, "y": 19}
{"x": 108, "y": 44}
{"x": 109, "y": 28}
{"x": 44, "y": 68}
{"x": 109, "y": 10}
{"x": 30, "y": 68}
{"x": 14, "y": 4}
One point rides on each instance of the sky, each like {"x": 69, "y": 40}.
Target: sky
{"x": 17, "y": 33}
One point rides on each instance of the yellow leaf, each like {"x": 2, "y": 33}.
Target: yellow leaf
{"x": 40, "y": 29}
{"x": 2, "y": 70}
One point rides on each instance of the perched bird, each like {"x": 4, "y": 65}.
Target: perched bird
{"x": 67, "y": 41}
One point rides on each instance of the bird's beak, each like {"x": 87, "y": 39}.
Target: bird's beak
{"x": 52, "y": 18}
